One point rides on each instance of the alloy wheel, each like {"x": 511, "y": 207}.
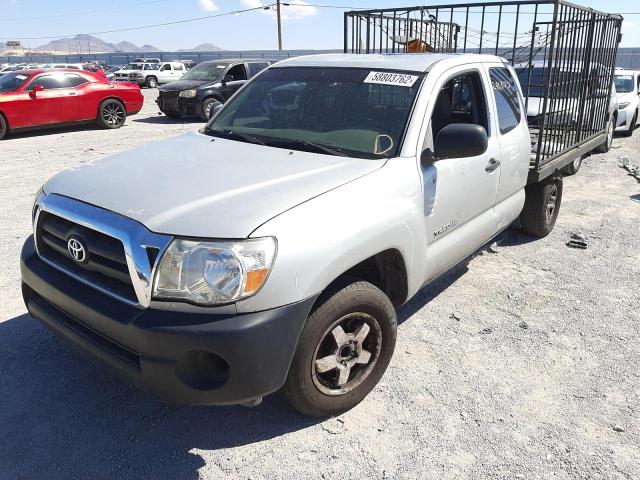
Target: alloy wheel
{"x": 113, "y": 114}
{"x": 347, "y": 353}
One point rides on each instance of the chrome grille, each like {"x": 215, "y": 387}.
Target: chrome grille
{"x": 106, "y": 263}
{"x": 121, "y": 253}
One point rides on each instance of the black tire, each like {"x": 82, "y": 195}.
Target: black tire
{"x": 151, "y": 82}
{"x": 573, "y": 167}
{"x": 632, "y": 126}
{"x": 318, "y": 388}
{"x": 606, "y": 145}
{"x": 541, "y": 207}
{"x": 4, "y": 128}
{"x": 207, "y": 105}
{"x": 112, "y": 114}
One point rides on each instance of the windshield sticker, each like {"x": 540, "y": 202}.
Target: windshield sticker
{"x": 386, "y": 78}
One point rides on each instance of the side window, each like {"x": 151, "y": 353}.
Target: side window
{"x": 178, "y": 67}
{"x": 166, "y": 67}
{"x": 73, "y": 80}
{"x": 256, "y": 68}
{"x": 460, "y": 100}
{"x": 505, "y": 91}
{"x": 237, "y": 72}
{"x": 48, "y": 82}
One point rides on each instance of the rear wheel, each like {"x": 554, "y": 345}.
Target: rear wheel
{"x": 112, "y": 114}
{"x": 343, "y": 351}
{"x": 541, "y": 207}
{"x": 3, "y": 127}
{"x": 152, "y": 82}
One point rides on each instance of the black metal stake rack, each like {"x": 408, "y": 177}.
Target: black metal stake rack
{"x": 564, "y": 55}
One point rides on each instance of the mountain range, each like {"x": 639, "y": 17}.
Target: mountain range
{"x": 85, "y": 43}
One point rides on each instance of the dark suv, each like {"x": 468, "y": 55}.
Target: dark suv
{"x": 207, "y": 85}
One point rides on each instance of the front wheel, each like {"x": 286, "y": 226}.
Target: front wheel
{"x": 208, "y": 105}
{"x": 605, "y": 146}
{"x": 574, "y": 166}
{"x": 152, "y": 82}
{"x": 112, "y": 114}
{"x": 632, "y": 126}
{"x": 343, "y": 351}
{"x": 541, "y": 207}
{"x": 3, "y": 127}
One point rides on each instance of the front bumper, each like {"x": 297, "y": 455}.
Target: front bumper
{"x": 170, "y": 103}
{"x": 624, "y": 117}
{"x": 182, "y": 353}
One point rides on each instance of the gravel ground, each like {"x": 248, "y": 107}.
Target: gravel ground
{"x": 522, "y": 363}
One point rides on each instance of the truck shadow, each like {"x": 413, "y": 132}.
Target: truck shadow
{"x": 164, "y": 120}
{"x": 62, "y": 417}
{"x": 509, "y": 238}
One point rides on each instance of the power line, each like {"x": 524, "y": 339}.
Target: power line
{"x": 175, "y": 22}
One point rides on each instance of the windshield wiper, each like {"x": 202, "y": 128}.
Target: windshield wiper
{"x": 233, "y": 133}
{"x": 318, "y": 146}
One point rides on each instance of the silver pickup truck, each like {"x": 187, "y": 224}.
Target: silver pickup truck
{"x": 272, "y": 248}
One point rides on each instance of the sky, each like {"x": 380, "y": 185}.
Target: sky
{"x": 304, "y": 26}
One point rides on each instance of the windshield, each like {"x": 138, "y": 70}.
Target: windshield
{"x": 340, "y": 111}
{"x": 209, "y": 72}
{"x": 133, "y": 66}
{"x": 566, "y": 82}
{"x": 10, "y": 82}
{"x": 624, "y": 83}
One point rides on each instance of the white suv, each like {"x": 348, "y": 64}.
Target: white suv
{"x": 170, "y": 72}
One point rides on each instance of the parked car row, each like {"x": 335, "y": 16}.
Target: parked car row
{"x": 45, "y": 97}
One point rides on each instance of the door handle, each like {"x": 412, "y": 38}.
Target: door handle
{"x": 72, "y": 93}
{"x": 492, "y": 165}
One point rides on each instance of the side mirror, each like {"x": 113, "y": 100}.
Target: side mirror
{"x": 228, "y": 78}
{"x": 36, "y": 89}
{"x": 460, "y": 140}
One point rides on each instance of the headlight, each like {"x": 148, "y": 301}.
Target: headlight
{"x": 213, "y": 273}
{"x": 623, "y": 105}
{"x": 187, "y": 93}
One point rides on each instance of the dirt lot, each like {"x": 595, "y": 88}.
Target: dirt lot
{"x": 520, "y": 364}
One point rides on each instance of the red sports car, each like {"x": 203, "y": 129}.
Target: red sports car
{"x": 40, "y": 98}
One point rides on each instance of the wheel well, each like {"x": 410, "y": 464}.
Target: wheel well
{"x": 117, "y": 99}
{"x": 6, "y": 121}
{"x": 386, "y": 270}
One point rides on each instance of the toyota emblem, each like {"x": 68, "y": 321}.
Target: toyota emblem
{"x": 76, "y": 249}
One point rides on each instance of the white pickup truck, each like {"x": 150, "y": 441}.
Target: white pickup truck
{"x": 273, "y": 248}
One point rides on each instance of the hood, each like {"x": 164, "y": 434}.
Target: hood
{"x": 185, "y": 85}
{"x": 193, "y": 186}
{"x": 627, "y": 97}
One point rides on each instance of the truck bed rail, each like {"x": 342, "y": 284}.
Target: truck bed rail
{"x": 564, "y": 55}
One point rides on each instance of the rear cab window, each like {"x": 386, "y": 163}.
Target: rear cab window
{"x": 507, "y": 96}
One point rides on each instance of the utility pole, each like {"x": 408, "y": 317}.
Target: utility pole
{"x": 279, "y": 25}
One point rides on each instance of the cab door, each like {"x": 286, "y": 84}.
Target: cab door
{"x": 165, "y": 74}
{"x": 515, "y": 147}
{"x": 235, "y": 77}
{"x": 459, "y": 193}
